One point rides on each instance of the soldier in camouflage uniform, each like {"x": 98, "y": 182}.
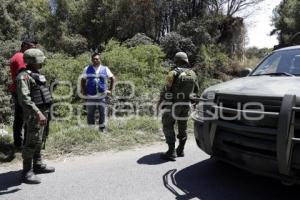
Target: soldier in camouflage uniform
{"x": 181, "y": 83}
{"x": 35, "y": 99}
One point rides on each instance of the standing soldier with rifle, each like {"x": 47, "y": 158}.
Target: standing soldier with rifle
{"x": 35, "y": 98}
{"x": 181, "y": 83}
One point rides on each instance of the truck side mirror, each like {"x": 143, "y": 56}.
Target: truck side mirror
{"x": 245, "y": 72}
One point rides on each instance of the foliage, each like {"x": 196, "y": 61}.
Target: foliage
{"x": 73, "y": 44}
{"x": 7, "y": 48}
{"x": 141, "y": 65}
{"x": 74, "y": 26}
{"x": 198, "y": 31}
{"x": 5, "y": 107}
{"x": 286, "y": 21}
{"x": 211, "y": 61}
{"x": 232, "y": 7}
{"x": 10, "y": 19}
{"x": 255, "y": 52}
{"x": 62, "y": 69}
{"x": 138, "y": 39}
{"x": 174, "y": 42}
{"x": 213, "y": 64}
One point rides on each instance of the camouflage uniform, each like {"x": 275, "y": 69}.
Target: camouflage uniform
{"x": 180, "y": 83}
{"x": 32, "y": 160}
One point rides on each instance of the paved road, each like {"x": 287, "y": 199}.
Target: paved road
{"x": 140, "y": 174}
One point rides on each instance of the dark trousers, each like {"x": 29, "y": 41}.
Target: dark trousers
{"x": 18, "y": 122}
{"x": 92, "y": 105}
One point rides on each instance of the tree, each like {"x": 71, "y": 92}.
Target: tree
{"x": 231, "y": 7}
{"x": 286, "y": 20}
{"x": 174, "y": 12}
{"x": 174, "y": 42}
{"x": 136, "y": 16}
{"x": 100, "y": 19}
{"x": 10, "y": 19}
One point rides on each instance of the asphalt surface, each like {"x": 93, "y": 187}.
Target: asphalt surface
{"x": 140, "y": 174}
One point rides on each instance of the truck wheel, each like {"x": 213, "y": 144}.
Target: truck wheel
{"x": 7, "y": 152}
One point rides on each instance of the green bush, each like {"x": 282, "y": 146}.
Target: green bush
{"x": 7, "y": 49}
{"x": 138, "y": 39}
{"x": 140, "y": 65}
{"x": 74, "y": 44}
{"x": 5, "y": 105}
{"x": 60, "y": 67}
{"x": 174, "y": 42}
{"x": 211, "y": 61}
{"x": 212, "y": 64}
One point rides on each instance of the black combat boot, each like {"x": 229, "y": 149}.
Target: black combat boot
{"x": 27, "y": 175}
{"x": 39, "y": 167}
{"x": 170, "y": 155}
{"x": 43, "y": 169}
{"x": 180, "y": 148}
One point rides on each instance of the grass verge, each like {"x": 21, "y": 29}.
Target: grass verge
{"x": 68, "y": 138}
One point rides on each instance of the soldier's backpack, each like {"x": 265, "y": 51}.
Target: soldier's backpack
{"x": 184, "y": 83}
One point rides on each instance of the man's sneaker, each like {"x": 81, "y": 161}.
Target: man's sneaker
{"x": 30, "y": 178}
{"x": 43, "y": 169}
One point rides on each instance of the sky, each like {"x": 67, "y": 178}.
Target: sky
{"x": 259, "y": 25}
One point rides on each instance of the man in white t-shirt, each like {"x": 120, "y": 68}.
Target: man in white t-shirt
{"x": 94, "y": 88}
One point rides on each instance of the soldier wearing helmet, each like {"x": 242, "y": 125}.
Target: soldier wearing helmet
{"x": 17, "y": 63}
{"x": 181, "y": 83}
{"x": 35, "y": 98}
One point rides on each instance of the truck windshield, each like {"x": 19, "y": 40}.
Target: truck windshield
{"x": 281, "y": 63}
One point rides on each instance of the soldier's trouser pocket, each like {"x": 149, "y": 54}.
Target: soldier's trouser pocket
{"x": 34, "y": 137}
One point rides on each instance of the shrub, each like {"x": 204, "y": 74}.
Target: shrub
{"x": 141, "y": 65}
{"x": 212, "y": 61}
{"x": 196, "y": 30}
{"x": 7, "y": 49}
{"x": 63, "y": 69}
{"x": 138, "y": 39}
{"x": 174, "y": 42}
{"x": 5, "y": 105}
{"x": 74, "y": 44}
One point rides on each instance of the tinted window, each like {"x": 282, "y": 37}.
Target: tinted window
{"x": 280, "y": 62}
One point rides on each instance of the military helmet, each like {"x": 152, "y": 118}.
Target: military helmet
{"x": 181, "y": 56}
{"x": 34, "y": 56}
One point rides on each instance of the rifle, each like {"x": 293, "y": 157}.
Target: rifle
{"x": 46, "y": 130}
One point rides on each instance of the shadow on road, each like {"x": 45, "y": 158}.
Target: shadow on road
{"x": 8, "y": 180}
{"x": 215, "y": 180}
{"x": 152, "y": 159}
